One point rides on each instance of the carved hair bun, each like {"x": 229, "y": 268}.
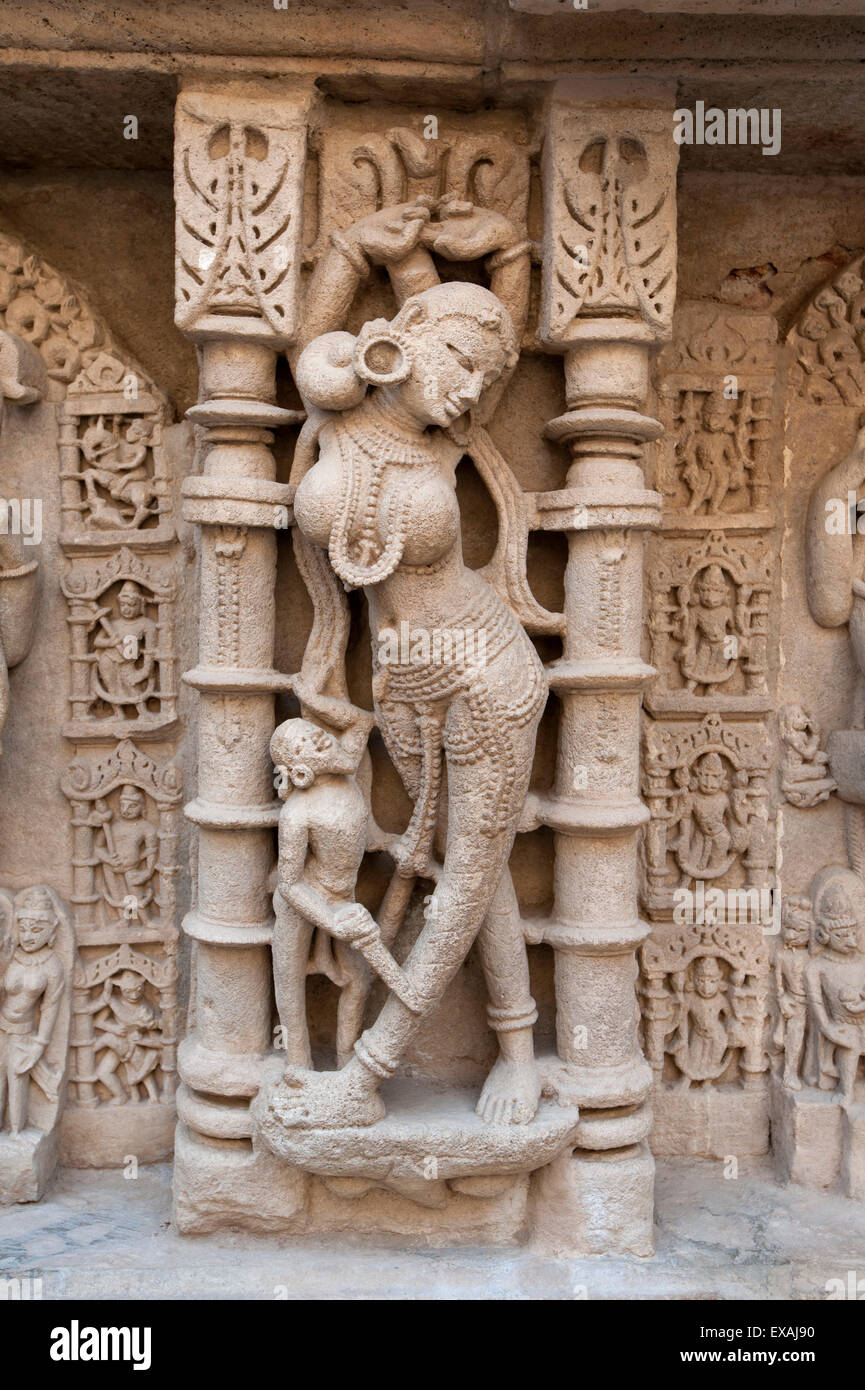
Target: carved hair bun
{"x": 325, "y": 373}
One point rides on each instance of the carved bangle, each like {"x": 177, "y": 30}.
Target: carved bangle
{"x": 511, "y": 1020}
{"x": 511, "y": 253}
{"x": 353, "y": 254}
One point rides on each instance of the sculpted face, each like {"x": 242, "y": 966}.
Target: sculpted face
{"x": 130, "y": 602}
{"x": 131, "y": 987}
{"x": 35, "y": 929}
{"x": 452, "y": 362}
{"x": 707, "y": 979}
{"x": 131, "y": 803}
{"x": 712, "y": 594}
{"x": 709, "y": 777}
{"x": 842, "y": 938}
{"x": 307, "y": 755}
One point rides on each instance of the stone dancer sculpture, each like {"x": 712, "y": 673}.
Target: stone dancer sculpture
{"x": 701, "y": 1045}
{"x": 127, "y": 852}
{"x": 34, "y": 1010}
{"x": 381, "y": 501}
{"x": 711, "y": 641}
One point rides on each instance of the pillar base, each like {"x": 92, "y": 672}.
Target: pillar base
{"x": 224, "y": 1183}
{"x": 595, "y": 1204}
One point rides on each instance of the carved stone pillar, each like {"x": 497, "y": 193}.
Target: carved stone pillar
{"x": 608, "y": 292}
{"x": 240, "y": 157}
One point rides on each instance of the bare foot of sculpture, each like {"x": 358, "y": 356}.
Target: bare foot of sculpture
{"x": 330, "y": 1099}
{"x": 511, "y": 1093}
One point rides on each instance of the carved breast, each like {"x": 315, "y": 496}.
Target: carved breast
{"x": 422, "y": 493}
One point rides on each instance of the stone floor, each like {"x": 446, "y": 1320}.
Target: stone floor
{"x": 98, "y": 1235}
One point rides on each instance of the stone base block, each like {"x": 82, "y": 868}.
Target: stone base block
{"x": 710, "y": 1123}
{"x": 806, "y": 1136}
{"x": 224, "y": 1183}
{"x": 446, "y": 1215}
{"x": 27, "y": 1161}
{"x": 595, "y": 1204}
{"x": 853, "y": 1152}
{"x": 108, "y": 1136}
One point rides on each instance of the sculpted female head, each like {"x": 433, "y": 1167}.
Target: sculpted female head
{"x": 435, "y": 357}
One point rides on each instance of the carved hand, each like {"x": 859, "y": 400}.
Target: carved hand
{"x": 393, "y": 233}
{"x": 353, "y": 923}
{"x": 464, "y": 232}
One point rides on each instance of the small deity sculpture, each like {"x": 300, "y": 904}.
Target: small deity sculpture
{"x": 128, "y": 1034}
{"x": 33, "y": 986}
{"x": 791, "y": 962}
{"x": 322, "y": 840}
{"x": 117, "y": 465}
{"x": 835, "y": 987}
{"x": 705, "y": 839}
{"x": 711, "y": 642}
{"x": 805, "y": 779}
{"x": 700, "y": 1044}
{"x": 714, "y": 461}
{"x": 125, "y": 669}
{"x": 127, "y": 848}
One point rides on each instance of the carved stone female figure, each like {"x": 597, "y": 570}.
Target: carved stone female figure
{"x": 380, "y": 499}
{"x": 33, "y": 987}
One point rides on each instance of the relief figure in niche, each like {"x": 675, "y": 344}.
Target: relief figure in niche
{"x": 711, "y": 642}
{"x": 127, "y": 847}
{"x": 379, "y": 500}
{"x": 128, "y": 1039}
{"x": 715, "y": 463}
{"x": 118, "y": 491}
{"x": 124, "y": 673}
{"x": 713, "y": 818}
{"x": 700, "y": 1045}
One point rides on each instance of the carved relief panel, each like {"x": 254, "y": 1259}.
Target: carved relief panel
{"x": 709, "y": 605}
{"x": 704, "y": 988}
{"x": 715, "y": 384}
{"x": 123, "y": 679}
{"x": 113, "y": 469}
{"x": 102, "y": 462}
{"x": 707, "y": 787}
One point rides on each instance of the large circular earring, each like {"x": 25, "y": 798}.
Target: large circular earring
{"x": 381, "y": 358}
